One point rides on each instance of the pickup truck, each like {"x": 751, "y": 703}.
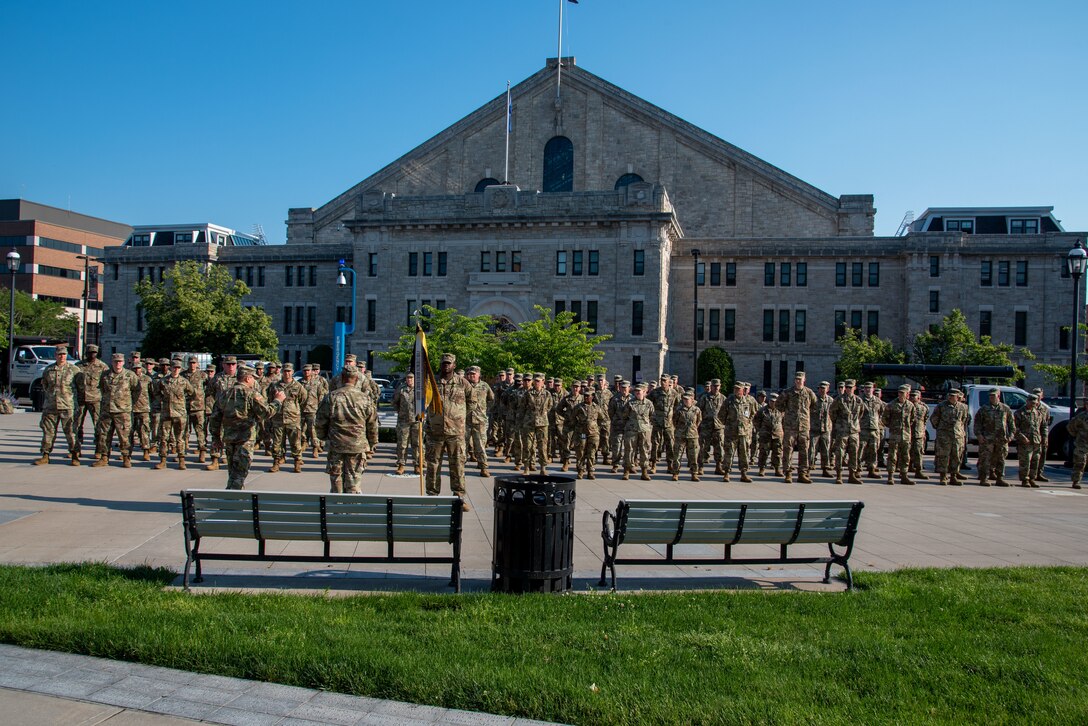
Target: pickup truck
{"x": 978, "y": 396}
{"x": 26, "y": 371}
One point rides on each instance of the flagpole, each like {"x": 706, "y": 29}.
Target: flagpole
{"x": 419, "y": 454}
{"x": 559, "y": 53}
{"x": 509, "y": 116}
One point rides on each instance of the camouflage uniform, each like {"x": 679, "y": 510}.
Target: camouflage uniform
{"x": 898, "y": 416}
{"x": 209, "y": 400}
{"x": 341, "y": 420}
{"x": 195, "y": 425}
{"x": 234, "y": 421}
{"x": 175, "y": 392}
{"x": 994, "y": 427}
{"x": 771, "y": 434}
{"x": 318, "y": 388}
{"x": 686, "y": 422}
{"x": 845, "y": 415}
{"x": 712, "y": 430}
{"x": 1078, "y": 431}
{"x": 1028, "y": 422}
{"x": 949, "y": 420}
{"x": 404, "y": 403}
{"x": 615, "y": 426}
{"x": 872, "y": 432}
{"x": 735, "y": 418}
{"x": 569, "y": 437}
{"x": 58, "y": 402}
{"x": 533, "y": 414}
{"x": 637, "y": 430}
{"x": 479, "y": 405}
{"x": 918, "y": 436}
{"x": 1044, "y": 432}
{"x": 141, "y": 412}
{"x": 89, "y": 396}
{"x": 796, "y": 405}
{"x": 218, "y": 388}
{"x": 118, "y": 388}
{"x": 587, "y": 421}
{"x": 603, "y": 396}
{"x": 820, "y": 432}
{"x": 664, "y": 399}
{"x": 446, "y": 434}
{"x": 285, "y": 426}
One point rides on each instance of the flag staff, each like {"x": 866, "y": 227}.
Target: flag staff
{"x": 509, "y": 120}
{"x": 559, "y": 53}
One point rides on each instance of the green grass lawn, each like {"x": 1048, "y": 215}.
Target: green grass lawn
{"x": 995, "y": 646}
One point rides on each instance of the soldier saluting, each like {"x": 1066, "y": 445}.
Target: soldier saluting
{"x": 234, "y": 422}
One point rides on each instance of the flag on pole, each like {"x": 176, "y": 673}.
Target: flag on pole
{"x": 426, "y": 388}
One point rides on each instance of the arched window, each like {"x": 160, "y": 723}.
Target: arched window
{"x": 559, "y": 165}
{"x": 485, "y": 183}
{"x": 627, "y": 179}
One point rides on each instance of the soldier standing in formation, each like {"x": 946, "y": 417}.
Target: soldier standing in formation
{"x": 845, "y": 430}
{"x": 341, "y": 420}
{"x": 587, "y": 421}
{"x": 1044, "y": 433}
{"x": 617, "y": 446}
{"x": 1078, "y": 431}
{"x": 218, "y": 388}
{"x": 735, "y": 416}
{"x": 118, "y": 387}
{"x": 637, "y": 429}
{"x": 994, "y": 428}
{"x": 820, "y": 429}
{"x": 1028, "y": 422}
{"x": 569, "y": 441}
{"x": 898, "y": 416}
{"x": 195, "y": 421}
{"x": 686, "y": 421}
{"x": 664, "y": 398}
{"x": 796, "y": 405}
{"x": 603, "y": 396}
{"x": 285, "y": 425}
{"x": 872, "y": 430}
{"x": 404, "y": 403}
{"x": 141, "y": 410}
{"x": 771, "y": 434}
{"x": 174, "y": 393}
{"x": 88, "y": 393}
{"x": 446, "y": 431}
{"x": 533, "y": 410}
{"x": 58, "y": 405}
{"x": 949, "y": 419}
{"x": 918, "y": 434}
{"x": 712, "y": 430}
{"x": 234, "y": 423}
{"x": 480, "y": 402}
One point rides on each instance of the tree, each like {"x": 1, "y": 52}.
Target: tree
{"x": 43, "y": 318}
{"x": 716, "y": 363}
{"x": 199, "y": 308}
{"x": 952, "y": 342}
{"x": 469, "y": 338}
{"x": 1058, "y": 374}
{"x": 856, "y": 351}
{"x": 558, "y": 345}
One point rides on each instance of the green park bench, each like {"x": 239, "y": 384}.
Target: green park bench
{"x": 730, "y": 523}
{"x": 326, "y": 518}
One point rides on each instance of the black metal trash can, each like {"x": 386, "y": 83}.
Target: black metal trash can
{"x": 534, "y": 534}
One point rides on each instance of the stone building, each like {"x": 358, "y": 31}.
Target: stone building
{"x": 606, "y": 197}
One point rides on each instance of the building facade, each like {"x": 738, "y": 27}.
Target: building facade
{"x": 607, "y": 196}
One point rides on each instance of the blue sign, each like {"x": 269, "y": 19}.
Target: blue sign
{"x": 339, "y": 342}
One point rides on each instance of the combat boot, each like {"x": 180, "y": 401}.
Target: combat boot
{"x": 854, "y": 478}
{"x": 565, "y": 466}
{"x": 213, "y": 465}
{"x": 872, "y": 473}
{"x": 838, "y": 478}
{"x": 804, "y": 478}
{"x": 626, "y": 475}
{"x": 789, "y": 477}
{"x": 645, "y": 475}
{"x": 919, "y": 474}
{"x": 1032, "y": 484}
{"x": 181, "y": 463}
{"x": 147, "y": 455}
{"x": 904, "y": 480}
{"x": 1024, "y": 483}
{"x": 161, "y": 464}
{"x": 954, "y": 481}
{"x": 615, "y": 468}
{"x": 419, "y": 469}
{"x": 200, "y": 457}
{"x": 1076, "y": 480}
{"x": 1000, "y": 481}
{"x": 889, "y": 481}
{"x": 591, "y": 475}
{"x": 761, "y": 470}
{"x": 298, "y": 464}
{"x": 694, "y": 476}
{"x": 75, "y": 459}
{"x": 717, "y": 469}
{"x": 1041, "y": 477}
{"x": 400, "y": 469}
{"x": 745, "y": 478}
{"x": 102, "y": 460}
{"x": 725, "y": 477}
{"x": 826, "y": 472}
{"x": 126, "y": 462}
{"x": 275, "y": 465}
{"x": 944, "y": 479}
{"x": 43, "y": 459}
{"x": 777, "y": 471}
{"x": 983, "y": 482}
{"x": 485, "y": 473}
{"x": 675, "y": 476}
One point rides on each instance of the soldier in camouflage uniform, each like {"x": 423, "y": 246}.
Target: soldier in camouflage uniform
{"x": 316, "y": 385}
{"x": 195, "y": 426}
{"x": 872, "y": 431}
{"x": 949, "y": 420}
{"x": 638, "y": 417}
{"x": 494, "y": 424}
{"x": 175, "y": 392}
{"x": 820, "y": 429}
{"x": 918, "y": 435}
{"x": 771, "y": 434}
{"x": 1078, "y": 432}
{"x": 88, "y": 394}
{"x": 533, "y": 414}
{"x": 615, "y": 424}
{"x": 209, "y": 400}
{"x": 161, "y": 371}
{"x": 898, "y": 416}
{"x": 58, "y": 404}
{"x": 845, "y": 430}
{"x": 234, "y": 420}
{"x": 341, "y": 420}
{"x": 753, "y": 408}
{"x": 712, "y": 430}
{"x": 994, "y": 428}
{"x": 686, "y": 421}
{"x": 118, "y": 387}
{"x": 796, "y": 405}
{"x": 218, "y": 388}
{"x": 481, "y": 398}
{"x": 141, "y": 411}
{"x": 735, "y": 418}
{"x": 664, "y": 398}
{"x": 404, "y": 403}
{"x": 569, "y": 441}
{"x": 1028, "y": 422}
{"x": 603, "y": 396}
{"x": 446, "y": 430}
{"x": 285, "y": 426}
{"x": 586, "y": 421}
{"x": 1044, "y": 432}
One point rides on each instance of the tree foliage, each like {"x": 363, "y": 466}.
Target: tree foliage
{"x": 557, "y": 345}
{"x": 1059, "y": 374}
{"x": 857, "y": 351}
{"x": 44, "y": 318}
{"x": 714, "y": 363}
{"x": 199, "y": 308}
{"x": 952, "y": 342}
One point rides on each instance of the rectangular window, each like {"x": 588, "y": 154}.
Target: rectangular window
{"x": 785, "y": 275}
{"x": 576, "y": 308}
{"x": 237, "y": 273}
{"x": 766, "y": 374}
{"x": 987, "y": 279}
{"x": 313, "y": 275}
{"x": 934, "y": 265}
{"x": 855, "y": 274}
{"x": 1020, "y": 332}
{"x": 640, "y": 262}
{"x": 260, "y": 276}
{"x": 840, "y": 274}
{"x": 873, "y": 327}
{"x": 700, "y": 274}
{"x": 985, "y": 323}
{"x": 371, "y": 315}
{"x": 440, "y": 304}
{"x": 855, "y": 320}
{"x": 1063, "y": 337}
{"x": 300, "y": 314}
{"x": 116, "y": 270}
{"x": 783, "y": 326}
{"x": 286, "y": 319}
{"x": 485, "y": 261}
{"x": 802, "y": 274}
{"x": 301, "y": 276}
{"x": 967, "y": 226}
{"x": 730, "y": 274}
{"x": 500, "y": 262}
{"x": 139, "y": 318}
{"x": 594, "y": 262}
{"x": 934, "y": 301}
{"x": 874, "y": 274}
{"x": 768, "y": 274}
{"x": 1003, "y": 273}
{"x": 515, "y": 261}
{"x": 428, "y": 264}
{"x": 715, "y": 324}
{"x": 576, "y": 263}
{"x": 715, "y": 274}
{"x": 700, "y": 314}
{"x": 411, "y": 311}
{"x": 249, "y": 277}
{"x": 372, "y": 264}
{"x": 113, "y": 322}
{"x": 560, "y": 307}
{"x": 768, "y": 326}
{"x": 311, "y": 320}
{"x": 442, "y": 261}
{"x": 783, "y": 373}
{"x": 729, "y": 327}
{"x": 636, "y": 317}
{"x": 561, "y": 262}
{"x": 288, "y": 276}
{"x": 840, "y": 323}
{"x": 140, "y": 274}
{"x": 636, "y": 367}
{"x": 800, "y": 322}
{"x": 1021, "y": 273}
{"x": 591, "y": 315}
{"x": 1023, "y": 226}
{"x": 413, "y": 264}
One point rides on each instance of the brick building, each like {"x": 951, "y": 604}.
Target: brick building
{"x": 606, "y": 198}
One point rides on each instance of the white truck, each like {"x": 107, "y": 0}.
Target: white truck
{"x": 977, "y": 396}
{"x": 26, "y": 371}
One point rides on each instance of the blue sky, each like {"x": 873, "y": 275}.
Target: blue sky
{"x": 232, "y": 112}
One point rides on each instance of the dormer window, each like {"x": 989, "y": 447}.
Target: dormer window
{"x": 967, "y": 226}
{"x": 1024, "y": 226}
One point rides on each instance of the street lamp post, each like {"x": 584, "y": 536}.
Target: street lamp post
{"x": 1075, "y": 262}
{"x": 13, "y": 267}
{"x": 342, "y": 330}
{"x": 695, "y": 323}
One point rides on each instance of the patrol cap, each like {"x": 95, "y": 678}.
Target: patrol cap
{"x": 551, "y": 379}
{"x": 689, "y": 394}
{"x": 118, "y": 357}
{"x": 517, "y": 376}
{"x": 193, "y": 359}
{"x": 274, "y": 365}
{"x": 916, "y": 392}
{"x": 558, "y": 381}
{"x": 715, "y": 381}
{"x": 675, "y": 378}
{"x": 798, "y": 374}
{"x": 349, "y": 371}
{"x": 307, "y": 367}
{"x": 317, "y": 366}
{"x": 135, "y": 355}
{"x": 761, "y": 394}
{"x": 664, "y": 377}
{"x": 1033, "y": 397}
{"x": 289, "y": 367}
{"x": 164, "y": 361}
{"x": 850, "y": 383}
{"x": 1037, "y": 391}
{"x": 245, "y": 370}
{"x": 472, "y": 369}
{"x": 739, "y": 384}
{"x": 588, "y": 393}
{"x": 995, "y": 391}
{"x": 92, "y": 348}
{"x": 509, "y": 371}
{"x": 905, "y": 387}
{"x": 230, "y": 360}
{"x": 449, "y": 358}
{"x": 349, "y": 357}
{"x": 63, "y": 348}
{"x": 600, "y": 377}
{"x": 617, "y": 379}
{"x": 626, "y": 383}
{"x": 825, "y": 384}
{"x": 774, "y": 396}
{"x": 538, "y": 376}
{"x": 176, "y": 363}
{"x": 641, "y": 387}
{"x": 868, "y": 384}
{"x": 151, "y": 362}
{"x": 841, "y": 384}
{"x": 955, "y": 392}
{"x": 690, "y": 390}
{"x": 409, "y": 374}
{"x": 576, "y": 384}
{"x": 209, "y": 367}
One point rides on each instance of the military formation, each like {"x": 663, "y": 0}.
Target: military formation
{"x": 532, "y": 421}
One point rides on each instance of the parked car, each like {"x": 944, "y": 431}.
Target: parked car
{"x": 979, "y": 395}
{"x": 26, "y": 371}
{"x": 387, "y": 390}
